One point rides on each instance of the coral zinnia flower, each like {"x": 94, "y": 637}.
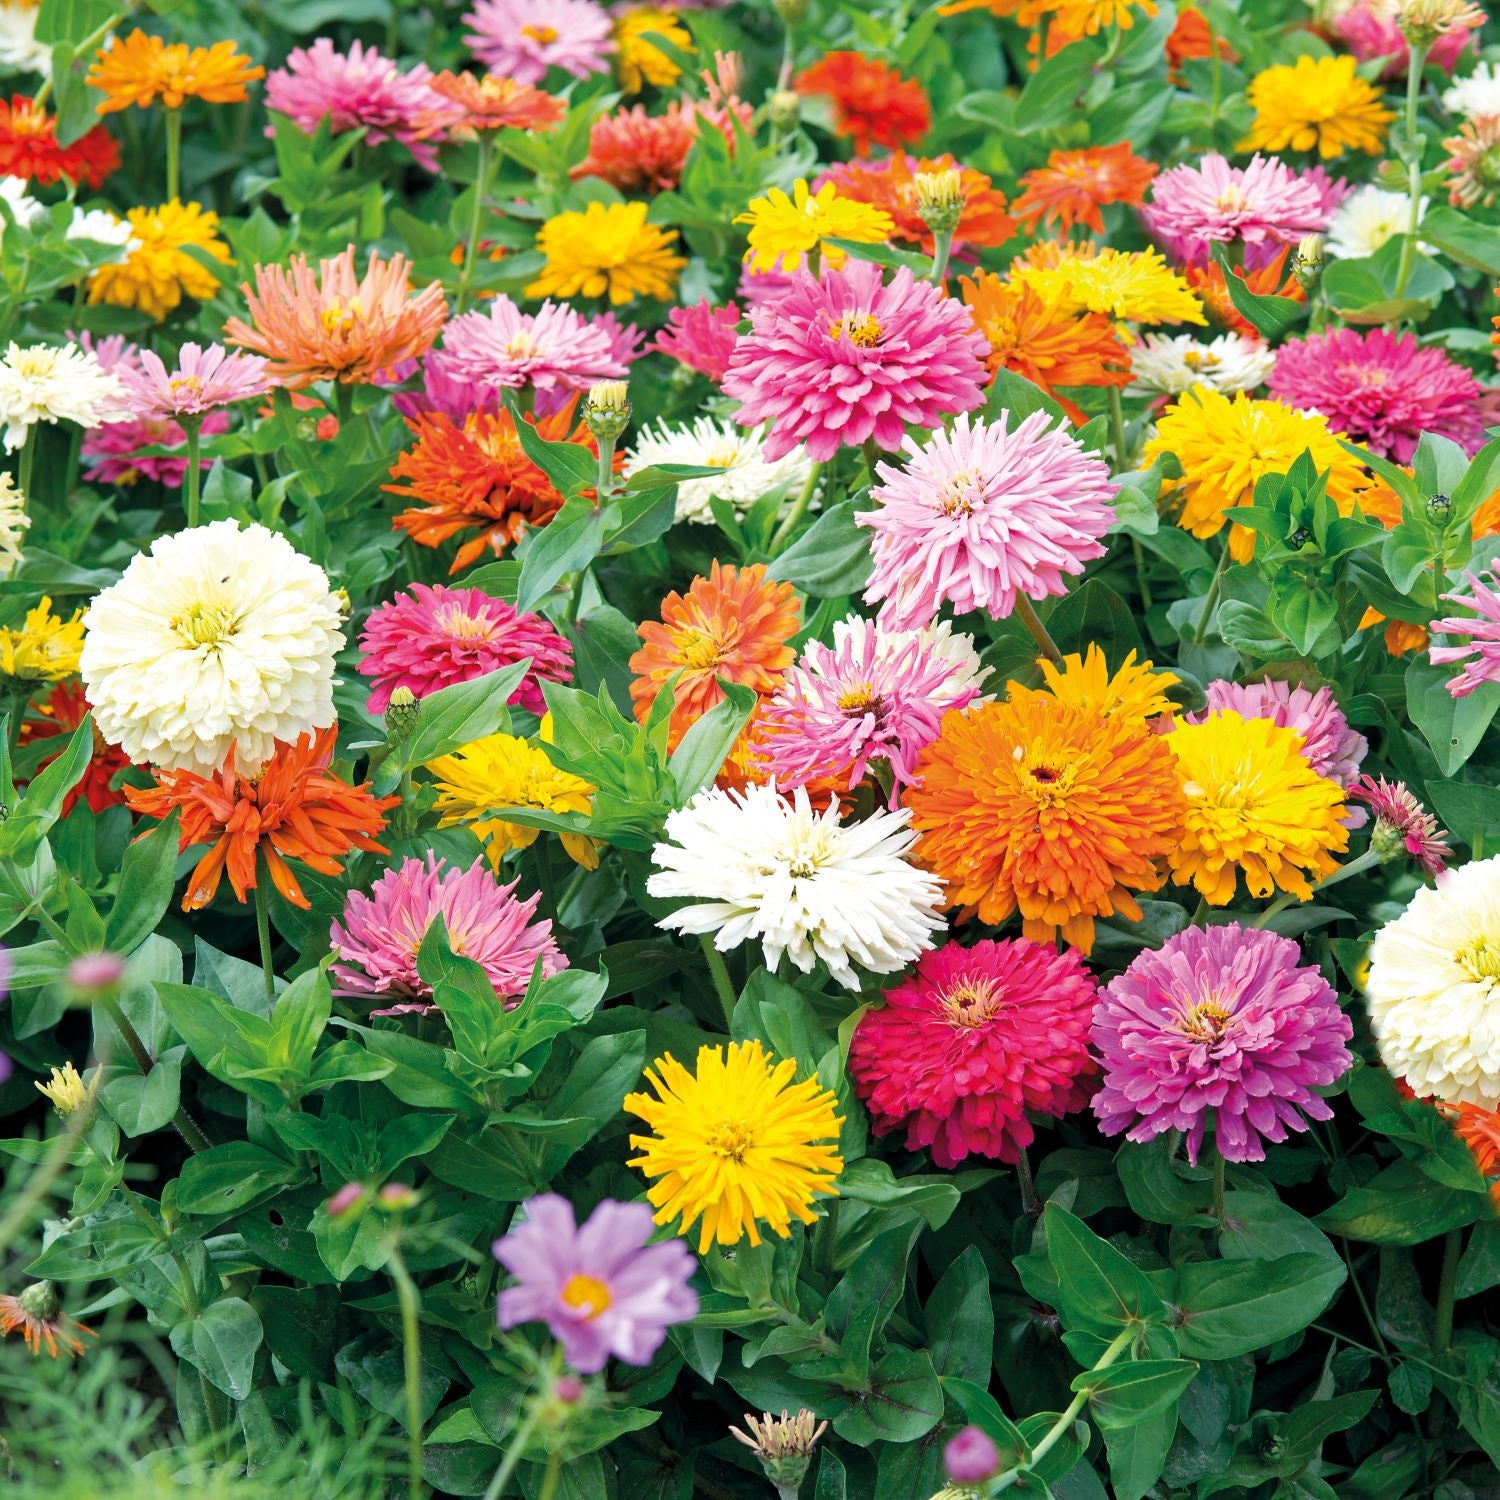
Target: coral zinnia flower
{"x": 783, "y": 229}
{"x": 1479, "y": 1129}
{"x": 334, "y": 325}
{"x": 608, "y": 249}
{"x": 140, "y": 68}
{"x": 295, "y": 808}
{"x": 736, "y": 624}
{"x": 157, "y": 271}
{"x": 29, "y": 148}
{"x": 736, "y": 1143}
{"x": 871, "y": 101}
{"x": 1192, "y": 37}
{"x": 1054, "y": 811}
{"x": 1317, "y": 104}
{"x": 1473, "y": 163}
{"x": 57, "y": 716}
{"x": 891, "y": 185}
{"x": 1253, "y": 804}
{"x": 477, "y": 475}
{"x": 37, "y": 1313}
{"x": 494, "y": 103}
{"x": 1135, "y": 286}
{"x": 1270, "y": 280}
{"x": 974, "y": 1042}
{"x": 1075, "y": 185}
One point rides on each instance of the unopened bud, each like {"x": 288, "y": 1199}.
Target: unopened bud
{"x": 606, "y": 413}
{"x": 401, "y": 715}
{"x": 348, "y": 1197}
{"x": 971, "y": 1457}
{"x": 940, "y": 199}
{"x": 790, "y": 11}
{"x": 1439, "y": 508}
{"x": 96, "y": 971}
{"x": 784, "y": 1445}
{"x": 345, "y": 603}
{"x": 1310, "y": 259}
{"x": 785, "y": 109}
{"x": 568, "y": 1389}
{"x": 1388, "y": 842}
{"x": 1299, "y": 539}
{"x": 397, "y": 1195}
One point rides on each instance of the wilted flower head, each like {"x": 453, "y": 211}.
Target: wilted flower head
{"x": 784, "y": 1445}
{"x": 1403, "y": 827}
{"x": 39, "y": 1316}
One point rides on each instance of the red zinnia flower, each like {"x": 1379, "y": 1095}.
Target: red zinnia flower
{"x": 61, "y": 712}
{"x": 29, "y": 148}
{"x": 871, "y": 102}
{"x": 892, "y": 185}
{"x": 1075, "y": 185}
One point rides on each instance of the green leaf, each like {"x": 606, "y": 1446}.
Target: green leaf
{"x": 40, "y": 806}
{"x": 1270, "y": 315}
{"x": 1453, "y": 727}
{"x": 570, "y": 466}
{"x": 1051, "y": 93}
{"x": 1469, "y": 811}
{"x": 459, "y": 715}
{"x": 1259, "y": 1226}
{"x": 217, "y": 1182}
{"x": 697, "y": 759}
{"x": 1121, "y": 1395}
{"x": 568, "y": 543}
{"x": 222, "y": 1342}
{"x": 1098, "y": 1289}
{"x": 960, "y": 1320}
{"x": 1138, "y": 1453}
{"x": 1012, "y": 398}
{"x": 902, "y": 1402}
{"x": 830, "y": 559}
{"x": 148, "y": 873}
{"x": 983, "y": 1411}
{"x": 1461, "y": 239}
{"x": 1229, "y": 1308}
{"x": 1402, "y": 1206}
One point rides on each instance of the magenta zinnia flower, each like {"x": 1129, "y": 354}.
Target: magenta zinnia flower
{"x": 375, "y": 944}
{"x": 1220, "y": 1026}
{"x": 702, "y": 337}
{"x": 974, "y": 1041}
{"x": 1329, "y": 745}
{"x": 1483, "y": 629}
{"x": 204, "y": 380}
{"x": 1380, "y": 390}
{"x": 874, "y": 695}
{"x": 1402, "y": 824}
{"x": 979, "y": 515}
{"x": 1371, "y": 29}
{"x": 434, "y": 636}
{"x": 523, "y": 38}
{"x": 1262, "y": 206}
{"x": 360, "y": 89}
{"x": 600, "y": 1288}
{"x": 847, "y": 357}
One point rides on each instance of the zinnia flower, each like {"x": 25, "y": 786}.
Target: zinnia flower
{"x": 218, "y": 638}
{"x": 872, "y": 103}
{"x": 523, "y": 38}
{"x": 972, "y": 1044}
{"x": 1329, "y": 745}
{"x": 43, "y": 383}
{"x": 891, "y": 186}
{"x": 745, "y": 477}
{"x": 1371, "y": 30}
{"x": 638, "y": 60}
{"x": 1402, "y": 825}
{"x": 1171, "y": 364}
{"x": 783, "y": 229}
{"x": 847, "y": 356}
{"x": 39, "y": 1316}
{"x": 14, "y": 524}
{"x": 599, "y": 1288}
{"x": 736, "y": 1144}
{"x": 20, "y": 51}
{"x": 43, "y": 648}
{"x": 294, "y": 808}
{"x": 1481, "y": 657}
{"x": 331, "y": 324}
{"x": 1477, "y": 93}
{"x": 1254, "y": 804}
{"x": 1316, "y": 103}
{"x": 1057, "y": 812}
{"x": 1134, "y": 286}
{"x": 1221, "y": 1026}
{"x": 490, "y": 102}
{"x": 607, "y": 250}
{"x": 1136, "y": 693}
{"x": 1433, "y": 989}
{"x": 1270, "y": 280}
{"x": 55, "y": 717}
{"x": 1367, "y": 219}
{"x": 1380, "y": 390}
{"x": 141, "y": 68}
{"x": 29, "y": 148}
{"x": 979, "y": 515}
{"x": 1473, "y": 163}
{"x": 1192, "y": 37}
{"x": 1076, "y": 184}
{"x": 203, "y": 380}
{"x": 702, "y": 337}
{"x": 432, "y": 637}
{"x": 761, "y": 868}
{"x": 375, "y": 942}
{"x": 157, "y": 271}
{"x": 1479, "y": 1129}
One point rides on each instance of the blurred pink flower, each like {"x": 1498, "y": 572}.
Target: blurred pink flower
{"x": 1371, "y": 29}
{"x": 702, "y": 337}
{"x": 523, "y": 38}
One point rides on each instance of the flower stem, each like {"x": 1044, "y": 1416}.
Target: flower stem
{"x": 193, "y": 477}
{"x": 518, "y": 1443}
{"x": 723, "y": 984}
{"x": 1413, "y": 151}
{"x": 942, "y": 247}
{"x": 174, "y": 155}
{"x": 28, "y": 459}
{"x": 343, "y": 402}
{"x": 1211, "y": 598}
{"x": 59, "y": 1154}
{"x": 1218, "y": 1185}
{"x": 411, "y": 1346}
{"x": 263, "y": 930}
{"x": 184, "y": 1124}
{"x": 1029, "y": 1200}
{"x": 1356, "y": 866}
{"x": 476, "y": 218}
{"x": 1442, "y": 1332}
{"x": 551, "y": 1478}
{"x": 1117, "y": 429}
{"x": 794, "y": 516}
{"x": 1032, "y": 621}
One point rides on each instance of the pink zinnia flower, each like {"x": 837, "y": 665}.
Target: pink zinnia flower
{"x": 360, "y": 89}
{"x": 435, "y": 636}
{"x": 1262, "y": 206}
{"x": 1483, "y": 630}
{"x": 1222, "y": 1027}
{"x": 702, "y": 337}
{"x": 1380, "y": 390}
{"x": 204, "y": 380}
{"x": 1371, "y": 29}
{"x": 523, "y": 38}
{"x": 1329, "y": 745}
{"x": 979, "y": 515}
{"x": 601, "y": 1289}
{"x": 1331, "y": 190}
{"x": 975, "y": 1041}
{"x": 848, "y": 357}
{"x": 375, "y": 943}
{"x": 1402, "y": 824}
{"x": 759, "y": 287}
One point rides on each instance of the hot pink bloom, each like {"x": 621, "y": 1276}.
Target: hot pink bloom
{"x": 375, "y": 944}
{"x": 702, "y": 337}
{"x": 360, "y": 88}
{"x": 1370, "y": 30}
{"x": 1220, "y": 1026}
{"x": 979, "y": 515}
{"x": 974, "y": 1041}
{"x": 1402, "y": 824}
{"x": 1380, "y": 390}
{"x": 203, "y": 380}
{"x": 848, "y": 357}
{"x": 1329, "y": 745}
{"x": 873, "y": 695}
{"x": 1262, "y": 206}
{"x": 759, "y": 287}
{"x": 434, "y": 636}
{"x": 1483, "y": 630}
{"x": 523, "y": 38}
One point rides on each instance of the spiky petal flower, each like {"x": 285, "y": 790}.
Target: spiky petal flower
{"x": 1221, "y": 1026}
{"x": 1481, "y": 656}
{"x": 975, "y": 1042}
{"x": 45, "y": 383}
{"x": 702, "y": 337}
{"x": 44, "y": 647}
{"x": 141, "y": 68}
{"x": 745, "y": 476}
{"x": 39, "y": 1316}
{"x": 607, "y": 250}
{"x": 523, "y": 38}
{"x": 203, "y": 380}
{"x": 1074, "y": 185}
{"x": 159, "y": 268}
{"x": 785, "y": 228}
{"x": 1402, "y": 825}
{"x": 1329, "y": 745}
{"x": 891, "y": 185}
{"x": 872, "y": 102}
{"x": 1168, "y": 365}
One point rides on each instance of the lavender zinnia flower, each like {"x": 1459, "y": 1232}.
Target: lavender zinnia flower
{"x": 1329, "y": 745}
{"x": 1483, "y": 629}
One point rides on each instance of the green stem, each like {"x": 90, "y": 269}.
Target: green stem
{"x": 1218, "y": 1185}
{"x": 723, "y": 984}
{"x": 606, "y": 480}
{"x": 193, "y": 476}
{"x": 263, "y": 930}
{"x": 411, "y": 1345}
{"x": 28, "y": 459}
{"x": 1029, "y": 1199}
{"x": 476, "y": 219}
{"x": 551, "y": 1478}
{"x": 82, "y": 49}
{"x": 1442, "y": 1332}
{"x": 1211, "y": 598}
{"x": 182, "y": 1122}
{"x": 518, "y": 1444}
{"x": 793, "y": 517}
{"x": 1138, "y": 556}
{"x": 1026, "y": 611}
{"x": 1355, "y": 866}
{"x": 174, "y": 155}
{"x": 942, "y": 248}
{"x": 1413, "y": 149}
{"x": 343, "y": 402}
{"x": 1117, "y": 429}
{"x": 59, "y": 1154}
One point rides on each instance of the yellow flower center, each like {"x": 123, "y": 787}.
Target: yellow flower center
{"x": 731, "y": 1139}
{"x": 339, "y": 317}
{"x": 1232, "y": 199}
{"x": 862, "y": 330}
{"x": 205, "y": 625}
{"x": 859, "y": 699}
{"x": 699, "y": 649}
{"x": 465, "y": 627}
{"x": 522, "y": 346}
{"x": 190, "y": 383}
{"x": 1049, "y": 784}
{"x": 542, "y": 34}
{"x": 972, "y": 1002}
{"x": 1205, "y": 1022}
{"x": 956, "y": 498}
{"x": 1482, "y": 960}
{"x": 587, "y": 1295}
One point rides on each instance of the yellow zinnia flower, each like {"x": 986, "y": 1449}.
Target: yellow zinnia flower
{"x": 1316, "y": 104}
{"x": 735, "y": 1143}
{"x": 1131, "y": 286}
{"x": 45, "y": 648}
{"x": 140, "y": 68}
{"x": 157, "y": 273}
{"x": 65, "y": 1089}
{"x": 783, "y": 229}
{"x": 507, "y": 771}
{"x": 1136, "y": 693}
{"x": 1253, "y": 804}
{"x": 607, "y": 249}
{"x": 637, "y": 59}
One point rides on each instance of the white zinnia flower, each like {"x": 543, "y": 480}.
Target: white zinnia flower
{"x": 19, "y": 48}
{"x": 802, "y": 883}
{"x": 738, "y": 451}
{"x": 1477, "y": 94}
{"x": 101, "y": 227}
{"x": 953, "y": 646}
{"x": 1169, "y": 364}
{"x": 1434, "y": 988}
{"x": 45, "y": 383}
{"x": 1366, "y": 219}
{"x": 24, "y": 209}
{"x": 218, "y": 637}
{"x": 13, "y": 524}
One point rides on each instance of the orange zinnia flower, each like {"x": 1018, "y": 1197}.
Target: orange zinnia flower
{"x": 1056, "y": 811}
{"x": 334, "y": 325}
{"x": 1479, "y": 1129}
{"x": 1075, "y": 185}
{"x": 736, "y": 624}
{"x": 1192, "y": 37}
{"x": 296, "y": 808}
{"x": 892, "y": 185}
{"x": 478, "y": 475}
{"x": 495, "y": 103}
{"x": 29, "y": 148}
{"x": 138, "y": 68}
{"x": 1029, "y": 334}
{"x": 37, "y": 1314}
{"x": 871, "y": 102}
{"x": 1270, "y": 280}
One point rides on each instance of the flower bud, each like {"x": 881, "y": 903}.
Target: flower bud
{"x": 784, "y": 1445}
{"x": 1308, "y": 263}
{"x": 348, "y": 1197}
{"x": 66, "y": 1090}
{"x": 395, "y": 1196}
{"x": 940, "y": 199}
{"x": 401, "y": 715}
{"x": 91, "y": 972}
{"x": 790, "y": 11}
{"x": 345, "y": 603}
{"x": 785, "y": 109}
{"x": 1424, "y": 22}
{"x": 1439, "y": 508}
{"x": 568, "y": 1389}
{"x": 971, "y": 1457}
{"x": 606, "y": 412}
